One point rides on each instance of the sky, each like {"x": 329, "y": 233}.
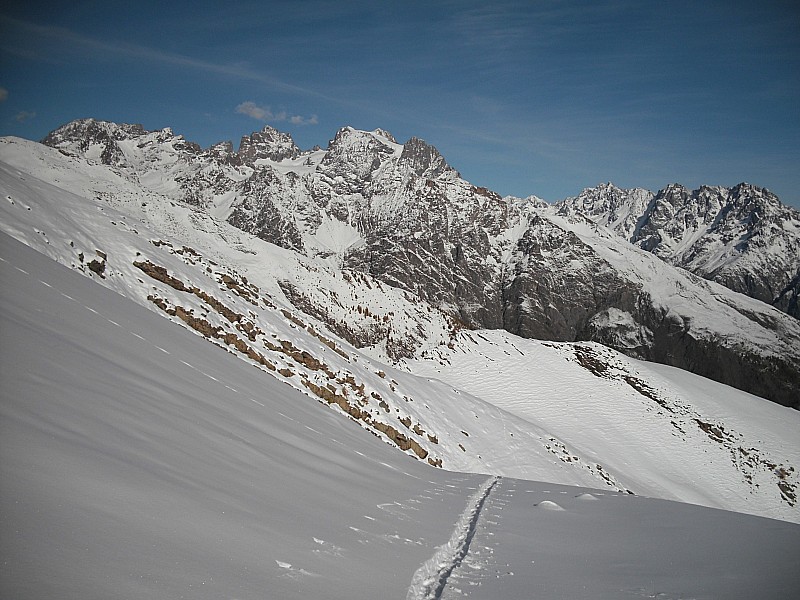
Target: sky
{"x": 523, "y": 97}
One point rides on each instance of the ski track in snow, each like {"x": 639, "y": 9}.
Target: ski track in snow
{"x": 430, "y": 579}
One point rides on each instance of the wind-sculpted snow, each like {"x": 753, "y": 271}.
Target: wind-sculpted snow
{"x": 696, "y": 440}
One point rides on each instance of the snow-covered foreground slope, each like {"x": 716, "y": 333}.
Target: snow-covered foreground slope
{"x": 140, "y": 461}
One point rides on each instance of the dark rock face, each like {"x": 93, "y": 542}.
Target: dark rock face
{"x": 558, "y": 285}
{"x": 222, "y": 153}
{"x": 776, "y": 378}
{"x": 423, "y": 159}
{"x": 437, "y": 250}
{"x": 787, "y": 300}
{"x": 258, "y": 214}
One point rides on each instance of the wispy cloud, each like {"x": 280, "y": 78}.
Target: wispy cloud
{"x": 251, "y": 109}
{"x": 24, "y": 115}
{"x": 96, "y": 47}
{"x": 298, "y": 120}
{"x": 265, "y": 113}
{"x": 3, "y": 94}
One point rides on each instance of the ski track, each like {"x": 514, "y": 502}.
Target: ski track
{"x": 429, "y": 581}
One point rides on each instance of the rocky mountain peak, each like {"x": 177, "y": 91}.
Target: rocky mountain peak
{"x": 353, "y": 155}
{"x": 269, "y": 144}
{"x": 104, "y": 141}
{"x": 386, "y": 134}
{"x": 608, "y": 205}
{"x": 94, "y": 139}
{"x": 222, "y": 152}
{"x": 675, "y": 194}
{"x": 87, "y": 131}
{"x": 423, "y": 159}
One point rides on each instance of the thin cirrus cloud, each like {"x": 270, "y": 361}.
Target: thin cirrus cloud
{"x": 264, "y": 113}
{"x": 96, "y": 47}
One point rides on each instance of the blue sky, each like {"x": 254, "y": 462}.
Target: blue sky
{"x": 538, "y": 97}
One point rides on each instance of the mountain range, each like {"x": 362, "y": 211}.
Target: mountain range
{"x": 741, "y": 237}
{"x": 401, "y": 214}
{"x": 587, "y": 343}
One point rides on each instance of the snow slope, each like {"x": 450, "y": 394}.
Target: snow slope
{"x": 666, "y": 432}
{"x": 140, "y": 461}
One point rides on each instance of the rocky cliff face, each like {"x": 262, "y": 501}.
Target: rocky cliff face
{"x": 401, "y": 214}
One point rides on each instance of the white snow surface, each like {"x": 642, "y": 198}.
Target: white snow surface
{"x": 429, "y": 580}
{"x": 640, "y": 421}
{"x": 140, "y": 461}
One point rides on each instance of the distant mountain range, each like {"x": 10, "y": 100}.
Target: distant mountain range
{"x": 741, "y": 237}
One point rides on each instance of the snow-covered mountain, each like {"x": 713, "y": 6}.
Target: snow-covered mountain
{"x": 329, "y": 292}
{"x": 355, "y": 341}
{"x": 741, "y": 237}
{"x": 399, "y": 213}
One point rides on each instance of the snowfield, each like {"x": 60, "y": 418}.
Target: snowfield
{"x": 140, "y": 461}
{"x": 666, "y": 432}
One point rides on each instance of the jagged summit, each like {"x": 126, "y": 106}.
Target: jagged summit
{"x": 613, "y": 207}
{"x": 384, "y": 133}
{"x": 269, "y": 144}
{"x": 85, "y": 130}
{"x": 424, "y": 159}
{"x": 119, "y": 144}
